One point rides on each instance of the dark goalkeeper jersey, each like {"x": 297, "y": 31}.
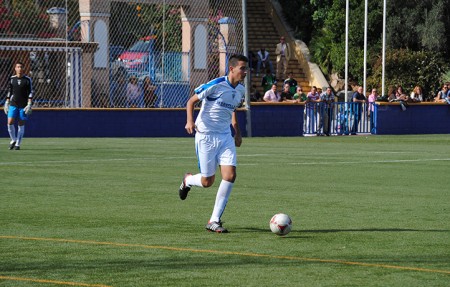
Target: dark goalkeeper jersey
{"x": 20, "y": 90}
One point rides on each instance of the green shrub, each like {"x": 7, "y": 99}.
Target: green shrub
{"x": 410, "y": 68}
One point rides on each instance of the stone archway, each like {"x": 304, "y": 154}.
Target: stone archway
{"x": 193, "y": 15}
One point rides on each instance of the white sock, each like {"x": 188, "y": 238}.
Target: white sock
{"x": 12, "y": 132}
{"x": 20, "y": 132}
{"x": 222, "y": 196}
{"x": 194, "y": 180}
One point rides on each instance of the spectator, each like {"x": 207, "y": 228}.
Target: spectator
{"x": 264, "y": 60}
{"x": 442, "y": 94}
{"x": 283, "y": 53}
{"x": 371, "y": 107}
{"x": 400, "y": 94}
{"x": 291, "y": 82}
{"x": 358, "y": 99}
{"x": 149, "y": 93}
{"x": 391, "y": 93}
{"x": 252, "y": 61}
{"x": 286, "y": 95}
{"x": 267, "y": 81}
{"x": 134, "y": 93}
{"x": 272, "y": 95}
{"x": 299, "y": 96}
{"x": 416, "y": 95}
{"x": 119, "y": 88}
{"x": 255, "y": 95}
{"x": 326, "y": 112}
{"x": 312, "y": 99}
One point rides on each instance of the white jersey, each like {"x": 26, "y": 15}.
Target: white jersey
{"x": 219, "y": 100}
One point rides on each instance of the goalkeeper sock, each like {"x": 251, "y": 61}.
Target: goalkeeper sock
{"x": 222, "y": 196}
{"x": 20, "y": 132}
{"x": 194, "y": 180}
{"x": 12, "y": 133}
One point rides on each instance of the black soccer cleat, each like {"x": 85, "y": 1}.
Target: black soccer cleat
{"x": 215, "y": 226}
{"x": 184, "y": 188}
{"x": 17, "y": 147}
{"x": 11, "y": 145}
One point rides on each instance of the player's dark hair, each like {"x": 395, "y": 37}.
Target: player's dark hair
{"x": 234, "y": 59}
{"x": 19, "y": 63}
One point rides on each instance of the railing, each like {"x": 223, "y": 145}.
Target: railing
{"x": 339, "y": 118}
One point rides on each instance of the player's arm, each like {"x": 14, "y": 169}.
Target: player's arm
{"x": 8, "y": 96}
{"x": 237, "y": 130}
{"x": 190, "y": 124}
{"x": 27, "y": 109}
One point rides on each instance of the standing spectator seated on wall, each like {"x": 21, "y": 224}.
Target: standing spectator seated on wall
{"x": 286, "y": 95}
{"x": 442, "y": 94}
{"x": 299, "y": 96}
{"x": 399, "y": 96}
{"x": 134, "y": 93}
{"x": 391, "y": 93}
{"x": 267, "y": 81}
{"x": 119, "y": 89}
{"x": 416, "y": 95}
{"x": 252, "y": 60}
{"x": 291, "y": 82}
{"x": 371, "y": 107}
{"x": 149, "y": 93}
{"x": 272, "y": 95}
{"x": 358, "y": 100}
{"x": 326, "y": 112}
{"x": 264, "y": 61}
{"x": 255, "y": 95}
{"x": 312, "y": 100}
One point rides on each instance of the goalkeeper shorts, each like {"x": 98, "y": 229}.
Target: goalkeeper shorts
{"x": 17, "y": 113}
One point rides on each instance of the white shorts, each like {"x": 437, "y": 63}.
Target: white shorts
{"x": 213, "y": 150}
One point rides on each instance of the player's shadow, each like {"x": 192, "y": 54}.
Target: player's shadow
{"x": 373, "y": 230}
{"x": 311, "y": 231}
{"x": 267, "y": 230}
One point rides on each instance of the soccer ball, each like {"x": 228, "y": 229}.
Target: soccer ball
{"x": 281, "y": 224}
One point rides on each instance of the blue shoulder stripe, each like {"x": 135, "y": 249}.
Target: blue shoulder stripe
{"x": 209, "y": 84}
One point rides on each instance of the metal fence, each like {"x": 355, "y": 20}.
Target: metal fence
{"x": 116, "y": 54}
{"x": 340, "y": 118}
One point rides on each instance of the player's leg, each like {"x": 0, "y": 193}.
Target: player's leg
{"x": 20, "y": 133}
{"x": 12, "y": 115}
{"x": 20, "y": 128}
{"x": 227, "y": 162}
{"x": 206, "y": 155}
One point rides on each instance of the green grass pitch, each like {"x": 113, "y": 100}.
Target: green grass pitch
{"x": 366, "y": 211}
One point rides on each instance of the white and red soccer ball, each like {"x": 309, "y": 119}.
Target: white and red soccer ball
{"x": 281, "y": 224}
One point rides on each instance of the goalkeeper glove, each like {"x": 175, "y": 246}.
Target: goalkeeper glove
{"x": 6, "y": 107}
{"x": 27, "y": 109}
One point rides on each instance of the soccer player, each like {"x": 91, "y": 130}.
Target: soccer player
{"x": 214, "y": 142}
{"x": 18, "y": 104}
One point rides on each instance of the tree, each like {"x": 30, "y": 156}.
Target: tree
{"x": 413, "y": 27}
{"x": 432, "y": 31}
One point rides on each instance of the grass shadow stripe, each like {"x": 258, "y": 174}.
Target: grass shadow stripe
{"x": 246, "y": 254}
{"x": 54, "y": 282}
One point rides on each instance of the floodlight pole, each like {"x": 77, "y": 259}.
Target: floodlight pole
{"x": 365, "y": 46}
{"x": 384, "y": 48}
{"x": 346, "y": 48}
{"x": 247, "y": 78}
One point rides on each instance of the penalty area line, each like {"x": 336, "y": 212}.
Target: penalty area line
{"x": 246, "y": 254}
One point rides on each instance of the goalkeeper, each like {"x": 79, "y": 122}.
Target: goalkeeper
{"x": 18, "y": 104}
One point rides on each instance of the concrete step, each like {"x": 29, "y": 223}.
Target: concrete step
{"x": 262, "y": 33}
